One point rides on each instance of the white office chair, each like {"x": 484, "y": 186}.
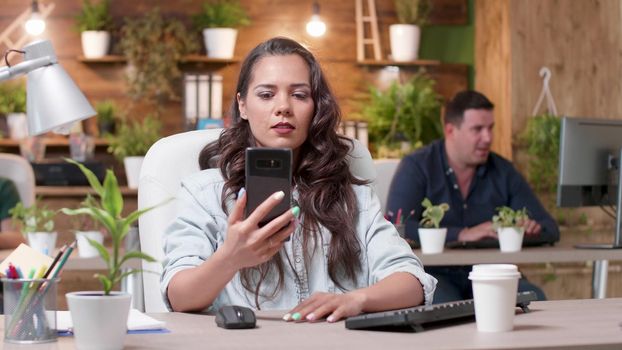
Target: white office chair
{"x": 19, "y": 170}
{"x": 385, "y": 169}
{"x": 166, "y": 163}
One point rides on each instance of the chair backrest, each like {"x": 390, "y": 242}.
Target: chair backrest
{"x": 385, "y": 169}
{"x": 19, "y": 170}
{"x": 167, "y": 162}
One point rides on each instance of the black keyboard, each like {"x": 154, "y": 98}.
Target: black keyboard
{"x": 416, "y": 318}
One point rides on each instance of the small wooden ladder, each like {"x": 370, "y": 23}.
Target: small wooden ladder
{"x": 361, "y": 40}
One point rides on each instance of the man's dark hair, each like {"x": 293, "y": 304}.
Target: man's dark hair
{"x": 469, "y": 99}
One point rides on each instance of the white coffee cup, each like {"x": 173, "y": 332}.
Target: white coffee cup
{"x": 510, "y": 238}
{"x": 494, "y": 292}
{"x": 432, "y": 240}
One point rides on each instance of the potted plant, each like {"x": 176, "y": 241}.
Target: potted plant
{"x": 153, "y": 46}
{"x": 37, "y": 223}
{"x": 13, "y": 107}
{"x": 94, "y": 24}
{"x": 403, "y": 117}
{"x": 406, "y": 35}
{"x": 509, "y": 225}
{"x": 218, "y": 21}
{"x": 100, "y": 318}
{"x": 106, "y": 116}
{"x": 431, "y": 235}
{"x": 131, "y": 142}
{"x": 86, "y": 229}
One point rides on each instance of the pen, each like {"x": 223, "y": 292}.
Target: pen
{"x": 60, "y": 253}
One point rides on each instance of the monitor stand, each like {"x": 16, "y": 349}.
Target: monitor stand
{"x": 617, "y": 242}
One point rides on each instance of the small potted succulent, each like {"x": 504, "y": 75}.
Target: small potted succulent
{"x": 37, "y": 222}
{"x": 94, "y": 24}
{"x": 107, "y": 330}
{"x": 431, "y": 235}
{"x": 509, "y": 225}
{"x": 218, "y": 21}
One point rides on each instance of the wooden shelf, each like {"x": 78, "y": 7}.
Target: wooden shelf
{"x": 186, "y": 59}
{"x": 50, "y": 142}
{"x": 75, "y": 191}
{"x": 383, "y": 63}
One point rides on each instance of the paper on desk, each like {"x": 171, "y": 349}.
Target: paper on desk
{"x": 26, "y": 258}
{"x": 136, "y": 321}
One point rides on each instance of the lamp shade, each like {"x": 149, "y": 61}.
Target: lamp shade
{"x": 53, "y": 100}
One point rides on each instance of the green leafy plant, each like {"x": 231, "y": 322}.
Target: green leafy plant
{"x": 508, "y": 217}
{"x": 106, "y": 116}
{"x": 134, "y": 138}
{"x": 221, "y": 14}
{"x": 94, "y": 16}
{"x": 153, "y": 46}
{"x": 432, "y": 214}
{"x": 404, "y": 112}
{"x": 541, "y": 137}
{"x": 413, "y": 11}
{"x": 36, "y": 218}
{"x": 12, "y": 98}
{"x": 106, "y": 210}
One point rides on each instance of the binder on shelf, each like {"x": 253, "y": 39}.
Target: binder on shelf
{"x": 202, "y": 98}
{"x": 355, "y": 130}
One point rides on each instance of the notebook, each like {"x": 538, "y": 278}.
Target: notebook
{"x": 136, "y": 321}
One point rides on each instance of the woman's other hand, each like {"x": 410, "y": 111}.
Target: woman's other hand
{"x": 332, "y": 306}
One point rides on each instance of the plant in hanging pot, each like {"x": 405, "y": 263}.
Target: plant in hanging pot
{"x": 509, "y": 225}
{"x": 406, "y": 35}
{"x": 131, "y": 142}
{"x": 94, "y": 24}
{"x": 218, "y": 21}
{"x": 37, "y": 224}
{"x": 100, "y": 317}
{"x": 431, "y": 235}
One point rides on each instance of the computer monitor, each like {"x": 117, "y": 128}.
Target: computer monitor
{"x": 589, "y": 160}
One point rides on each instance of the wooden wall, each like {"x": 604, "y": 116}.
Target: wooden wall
{"x": 336, "y": 50}
{"x": 580, "y": 41}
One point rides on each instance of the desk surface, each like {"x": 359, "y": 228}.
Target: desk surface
{"x": 568, "y": 324}
{"x": 557, "y": 253}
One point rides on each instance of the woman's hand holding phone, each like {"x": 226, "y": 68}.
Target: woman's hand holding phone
{"x": 246, "y": 243}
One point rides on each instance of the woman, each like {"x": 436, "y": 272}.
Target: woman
{"x": 343, "y": 257}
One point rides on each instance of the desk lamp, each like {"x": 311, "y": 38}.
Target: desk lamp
{"x": 53, "y": 100}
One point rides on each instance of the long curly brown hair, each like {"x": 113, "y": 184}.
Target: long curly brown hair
{"x": 322, "y": 174}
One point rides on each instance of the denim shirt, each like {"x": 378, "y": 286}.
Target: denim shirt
{"x": 201, "y": 228}
{"x": 426, "y": 173}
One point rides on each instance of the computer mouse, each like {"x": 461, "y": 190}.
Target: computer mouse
{"x": 235, "y": 317}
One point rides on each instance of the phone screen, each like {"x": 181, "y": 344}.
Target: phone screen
{"x": 268, "y": 170}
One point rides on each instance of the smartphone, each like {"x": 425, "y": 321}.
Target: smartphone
{"x": 268, "y": 170}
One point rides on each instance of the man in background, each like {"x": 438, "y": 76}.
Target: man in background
{"x": 462, "y": 171}
{"x": 9, "y": 236}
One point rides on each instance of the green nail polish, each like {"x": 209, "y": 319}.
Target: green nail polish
{"x": 296, "y": 211}
{"x": 296, "y": 316}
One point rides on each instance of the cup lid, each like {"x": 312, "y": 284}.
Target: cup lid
{"x": 494, "y": 271}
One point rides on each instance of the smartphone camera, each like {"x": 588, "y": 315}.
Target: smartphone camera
{"x": 268, "y": 164}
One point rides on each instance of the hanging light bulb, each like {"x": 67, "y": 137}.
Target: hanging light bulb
{"x": 316, "y": 27}
{"x": 35, "y": 25}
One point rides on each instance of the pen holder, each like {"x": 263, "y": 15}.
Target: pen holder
{"x": 29, "y": 310}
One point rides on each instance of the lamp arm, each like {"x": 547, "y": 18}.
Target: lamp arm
{"x": 25, "y": 67}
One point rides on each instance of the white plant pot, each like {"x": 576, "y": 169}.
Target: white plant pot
{"x": 43, "y": 242}
{"x": 95, "y": 43}
{"x": 432, "y": 240}
{"x": 85, "y": 249}
{"x": 510, "y": 238}
{"x": 99, "y": 321}
{"x": 132, "y": 170}
{"x": 220, "y": 42}
{"x": 405, "y": 39}
{"x": 18, "y": 125}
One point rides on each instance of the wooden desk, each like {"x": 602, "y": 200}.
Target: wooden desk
{"x": 567, "y": 324}
{"x": 530, "y": 255}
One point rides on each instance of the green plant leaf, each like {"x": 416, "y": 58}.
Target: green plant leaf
{"x": 112, "y": 199}
{"x": 106, "y": 283}
{"x": 103, "y": 252}
{"x": 136, "y": 255}
{"x": 90, "y": 176}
